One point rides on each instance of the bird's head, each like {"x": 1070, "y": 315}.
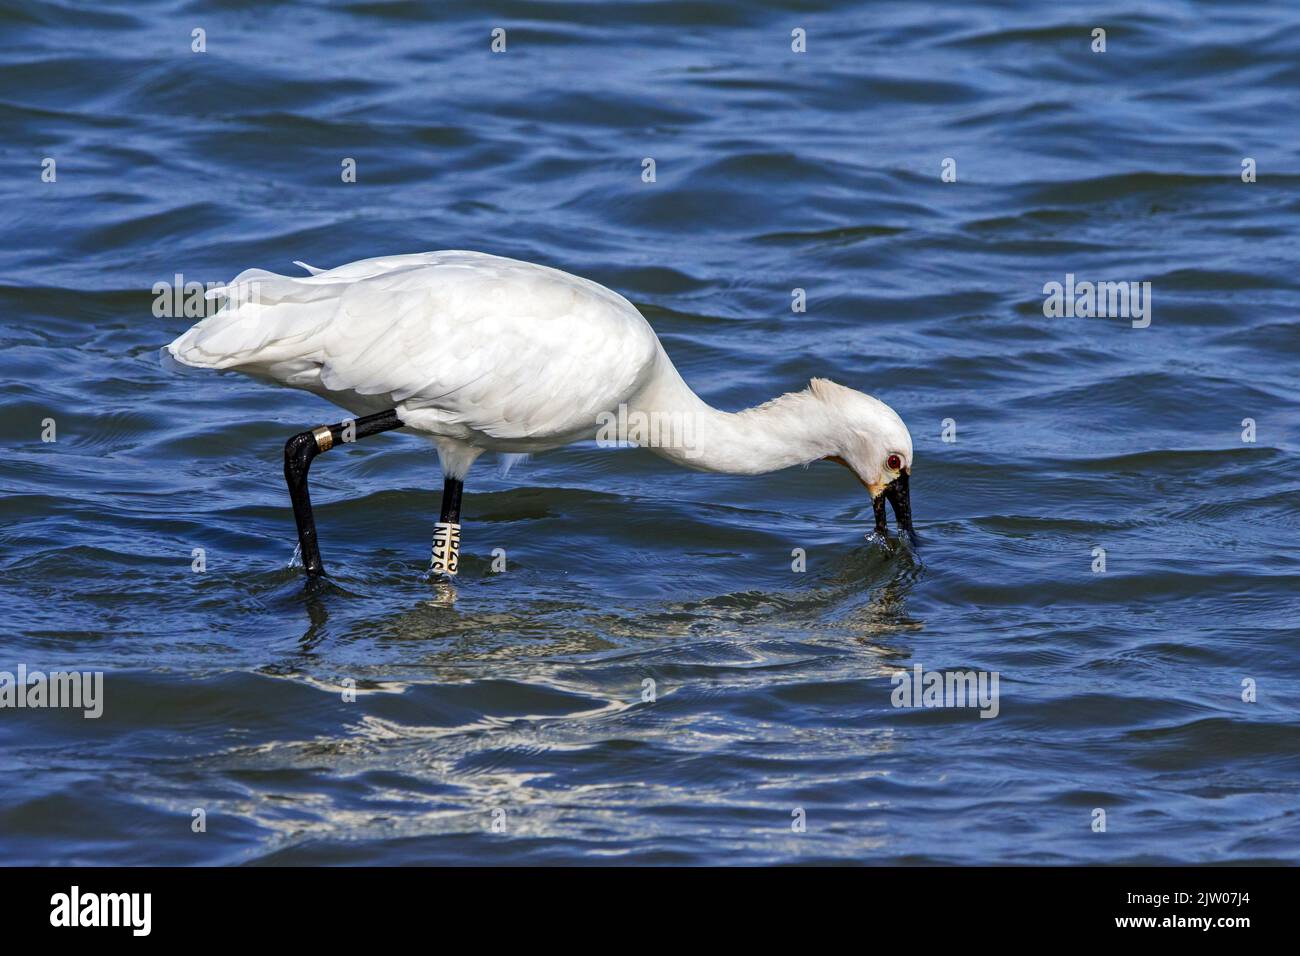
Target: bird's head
{"x": 876, "y": 446}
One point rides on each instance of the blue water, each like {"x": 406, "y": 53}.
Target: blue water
{"x": 517, "y": 699}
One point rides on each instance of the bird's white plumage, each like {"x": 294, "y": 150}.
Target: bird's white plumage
{"x": 484, "y": 353}
{"x": 511, "y": 356}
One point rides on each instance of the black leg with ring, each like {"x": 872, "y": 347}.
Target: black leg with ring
{"x": 298, "y": 454}
{"x": 446, "y": 533}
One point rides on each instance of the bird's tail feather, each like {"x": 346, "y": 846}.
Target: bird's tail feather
{"x": 264, "y": 318}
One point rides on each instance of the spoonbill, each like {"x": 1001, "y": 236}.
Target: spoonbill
{"x": 483, "y": 353}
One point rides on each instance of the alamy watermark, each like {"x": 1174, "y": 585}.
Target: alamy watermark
{"x": 627, "y": 428}
{"x": 77, "y": 690}
{"x": 922, "y": 688}
{"x": 1109, "y": 300}
{"x": 75, "y": 908}
{"x": 198, "y": 300}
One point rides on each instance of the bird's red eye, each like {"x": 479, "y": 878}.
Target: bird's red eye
{"x": 894, "y": 462}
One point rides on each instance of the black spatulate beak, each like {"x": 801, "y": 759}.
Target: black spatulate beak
{"x": 900, "y": 499}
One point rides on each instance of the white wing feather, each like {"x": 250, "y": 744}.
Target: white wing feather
{"x": 507, "y": 354}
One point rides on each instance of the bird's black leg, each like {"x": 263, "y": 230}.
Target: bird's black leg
{"x": 298, "y": 454}
{"x": 446, "y": 533}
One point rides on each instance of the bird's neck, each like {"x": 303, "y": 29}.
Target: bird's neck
{"x": 793, "y": 429}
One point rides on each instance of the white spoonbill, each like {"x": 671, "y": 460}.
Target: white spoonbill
{"x": 483, "y": 353}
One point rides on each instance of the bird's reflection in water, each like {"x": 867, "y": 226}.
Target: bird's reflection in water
{"x": 319, "y": 616}
{"x": 864, "y": 597}
{"x": 444, "y": 592}
{"x": 880, "y": 610}
{"x": 315, "y": 600}
{"x": 317, "y": 594}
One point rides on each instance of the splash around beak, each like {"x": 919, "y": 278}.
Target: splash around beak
{"x": 899, "y": 496}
